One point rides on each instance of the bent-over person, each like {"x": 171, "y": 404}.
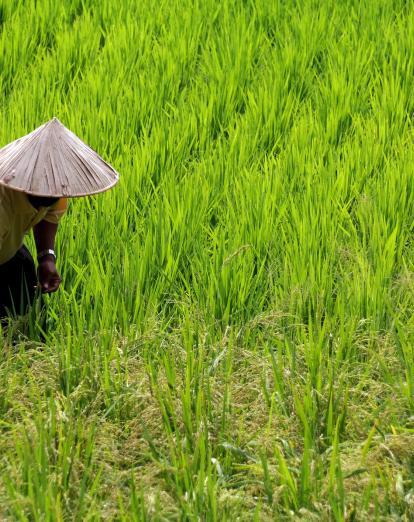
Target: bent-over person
{"x": 20, "y": 213}
{"x": 38, "y": 172}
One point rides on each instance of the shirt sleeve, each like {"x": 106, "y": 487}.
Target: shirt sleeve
{"x": 54, "y": 214}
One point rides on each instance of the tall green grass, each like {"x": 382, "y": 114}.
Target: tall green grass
{"x": 233, "y": 337}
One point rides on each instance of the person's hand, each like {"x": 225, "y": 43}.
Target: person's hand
{"x": 49, "y": 279}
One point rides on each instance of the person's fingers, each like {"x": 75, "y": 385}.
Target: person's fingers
{"x": 50, "y": 289}
{"x": 55, "y": 284}
{"x": 51, "y": 285}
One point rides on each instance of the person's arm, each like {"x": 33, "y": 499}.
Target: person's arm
{"x": 44, "y": 234}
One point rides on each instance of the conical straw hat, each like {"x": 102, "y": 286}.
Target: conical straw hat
{"x": 51, "y": 161}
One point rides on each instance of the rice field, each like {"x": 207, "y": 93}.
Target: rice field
{"x": 234, "y": 335}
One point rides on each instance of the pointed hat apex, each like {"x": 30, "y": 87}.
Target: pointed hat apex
{"x": 52, "y": 161}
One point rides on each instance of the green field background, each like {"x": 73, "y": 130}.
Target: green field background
{"x": 233, "y": 338}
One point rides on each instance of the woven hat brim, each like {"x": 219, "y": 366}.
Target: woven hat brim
{"x": 56, "y": 194}
{"x": 52, "y": 161}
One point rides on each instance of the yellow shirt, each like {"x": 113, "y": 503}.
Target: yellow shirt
{"x": 18, "y": 216}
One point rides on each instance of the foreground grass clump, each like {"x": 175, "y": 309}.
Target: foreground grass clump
{"x": 234, "y": 336}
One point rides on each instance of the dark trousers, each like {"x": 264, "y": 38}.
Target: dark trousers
{"x": 18, "y": 281}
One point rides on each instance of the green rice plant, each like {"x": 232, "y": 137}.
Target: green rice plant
{"x": 232, "y": 338}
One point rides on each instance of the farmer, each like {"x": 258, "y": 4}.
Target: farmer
{"x": 20, "y": 212}
{"x": 37, "y": 174}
